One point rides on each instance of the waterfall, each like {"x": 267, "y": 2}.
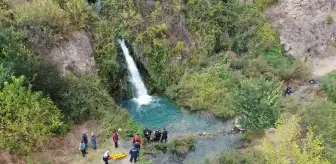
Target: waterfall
{"x": 141, "y": 95}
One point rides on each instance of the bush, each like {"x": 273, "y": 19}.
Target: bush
{"x": 321, "y": 114}
{"x": 282, "y": 146}
{"x": 154, "y": 148}
{"x": 27, "y": 118}
{"x": 182, "y": 146}
{"x": 330, "y": 19}
{"x": 197, "y": 92}
{"x": 329, "y": 85}
{"x": 236, "y": 157}
{"x": 257, "y": 100}
{"x": 44, "y": 13}
{"x": 262, "y": 4}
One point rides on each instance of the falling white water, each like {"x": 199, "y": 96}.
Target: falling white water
{"x": 141, "y": 95}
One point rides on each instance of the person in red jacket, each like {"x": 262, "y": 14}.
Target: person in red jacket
{"x": 115, "y": 137}
{"x": 137, "y": 141}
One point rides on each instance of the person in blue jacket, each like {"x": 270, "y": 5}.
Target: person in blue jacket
{"x": 134, "y": 152}
{"x": 93, "y": 141}
{"x": 82, "y": 148}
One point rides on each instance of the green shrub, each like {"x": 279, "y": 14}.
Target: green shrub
{"x": 44, "y": 13}
{"x": 299, "y": 71}
{"x": 27, "y": 118}
{"x": 257, "y": 101}
{"x": 321, "y": 114}
{"x": 154, "y": 148}
{"x": 183, "y": 145}
{"x": 197, "y": 92}
{"x": 236, "y": 157}
{"x": 262, "y": 4}
{"x": 61, "y": 128}
{"x": 329, "y": 85}
{"x": 330, "y": 19}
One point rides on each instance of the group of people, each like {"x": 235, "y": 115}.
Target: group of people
{"x": 136, "y": 141}
{"x": 158, "y": 135}
{"x": 83, "y": 146}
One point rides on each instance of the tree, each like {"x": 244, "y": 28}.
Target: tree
{"x": 282, "y": 147}
{"x": 257, "y": 101}
{"x": 26, "y": 117}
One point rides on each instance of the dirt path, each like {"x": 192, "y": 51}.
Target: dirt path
{"x": 95, "y": 157}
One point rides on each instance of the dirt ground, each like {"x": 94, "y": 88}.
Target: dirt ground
{"x": 65, "y": 150}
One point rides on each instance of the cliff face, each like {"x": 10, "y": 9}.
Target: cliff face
{"x": 306, "y": 32}
{"x": 73, "y": 54}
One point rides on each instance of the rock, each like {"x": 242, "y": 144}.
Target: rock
{"x": 73, "y": 55}
{"x": 304, "y": 30}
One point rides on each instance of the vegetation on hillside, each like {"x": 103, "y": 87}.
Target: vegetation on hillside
{"x": 27, "y": 118}
{"x": 220, "y": 56}
{"x": 76, "y": 99}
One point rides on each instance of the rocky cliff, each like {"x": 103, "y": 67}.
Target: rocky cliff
{"x": 73, "y": 55}
{"x": 306, "y": 32}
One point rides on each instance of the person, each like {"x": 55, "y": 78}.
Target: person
{"x": 82, "y": 148}
{"x": 136, "y": 138}
{"x": 147, "y": 133}
{"x": 90, "y": 2}
{"x": 288, "y": 90}
{"x": 115, "y": 137}
{"x": 158, "y": 135}
{"x": 164, "y": 135}
{"x": 106, "y": 157}
{"x": 93, "y": 141}
{"x": 137, "y": 141}
{"x": 85, "y": 140}
{"x": 134, "y": 152}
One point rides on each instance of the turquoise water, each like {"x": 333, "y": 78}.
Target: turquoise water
{"x": 163, "y": 113}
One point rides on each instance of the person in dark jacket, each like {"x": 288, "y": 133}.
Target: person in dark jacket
{"x": 158, "y": 135}
{"x": 82, "y": 148}
{"x": 90, "y": 2}
{"x": 134, "y": 152}
{"x": 115, "y": 137}
{"x": 147, "y": 133}
{"x": 85, "y": 140}
{"x": 164, "y": 135}
{"x": 288, "y": 90}
{"x": 106, "y": 157}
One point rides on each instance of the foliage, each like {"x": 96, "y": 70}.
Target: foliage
{"x": 283, "y": 147}
{"x": 257, "y": 100}
{"x": 329, "y": 85}
{"x": 330, "y": 19}
{"x": 262, "y": 4}
{"x": 236, "y": 157}
{"x": 321, "y": 115}
{"x": 27, "y": 118}
{"x": 205, "y": 90}
{"x": 183, "y": 145}
{"x": 154, "y": 148}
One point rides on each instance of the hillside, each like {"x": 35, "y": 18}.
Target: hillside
{"x": 62, "y": 72}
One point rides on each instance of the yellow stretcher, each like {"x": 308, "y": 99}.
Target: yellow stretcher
{"x": 117, "y": 156}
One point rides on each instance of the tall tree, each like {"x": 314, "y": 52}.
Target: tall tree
{"x": 26, "y": 117}
{"x": 257, "y": 101}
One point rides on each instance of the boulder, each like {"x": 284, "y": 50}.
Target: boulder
{"x": 73, "y": 55}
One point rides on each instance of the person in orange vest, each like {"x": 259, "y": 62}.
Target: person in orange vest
{"x": 115, "y": 137}
{"x": 137, "y": 141}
